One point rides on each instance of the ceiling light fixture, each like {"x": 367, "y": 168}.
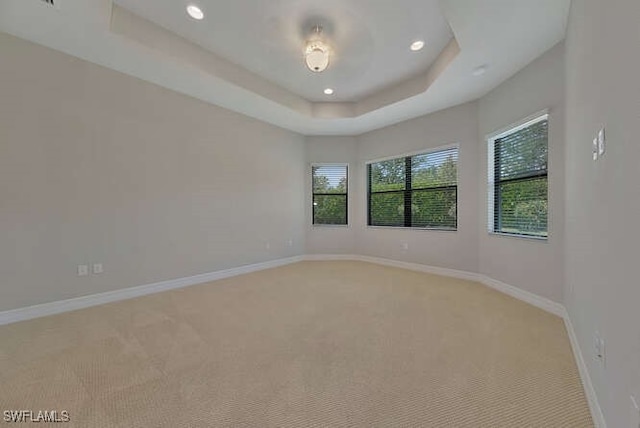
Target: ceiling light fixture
{"x": 316, "y": 53}
{"x": 480, "y": 70}
{"x": 417, "y": 45}
{"x": 195, "y": 12}
{"x": 328, "y": 91}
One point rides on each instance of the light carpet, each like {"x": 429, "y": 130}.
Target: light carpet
{"x": 313, "y": 344}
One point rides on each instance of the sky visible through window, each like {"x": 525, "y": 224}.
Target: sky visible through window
{"x": 330, "y": 173}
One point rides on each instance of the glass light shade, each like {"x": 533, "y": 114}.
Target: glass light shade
{"x": 317, "y": 56}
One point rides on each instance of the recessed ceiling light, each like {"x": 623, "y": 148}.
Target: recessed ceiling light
{"x": 195, "y": 12}
{"x": 480, "y": 70}
{"x": 328, "y": 91}
{"x": 417, "y": 45}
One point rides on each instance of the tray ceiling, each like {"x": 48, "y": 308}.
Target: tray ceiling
{"x": 247, "y": 56}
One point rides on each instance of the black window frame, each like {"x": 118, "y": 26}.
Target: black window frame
{"x": 496, "y": 181}
{"x": 408, "y": 191}
{"x": 329, "y": 194}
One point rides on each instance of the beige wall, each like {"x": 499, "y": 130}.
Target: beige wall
{"x": 96, "y": 166}
{"x": 455, "y": 250}
{"x": 603, "y": 197}
{"x": 331, "y": 239}
{"x": 533, "y": 265}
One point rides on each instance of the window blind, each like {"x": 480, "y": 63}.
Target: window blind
{"x": 520, "y": 182}
{"x": 329, "y": 194}
{"x": 414, "y": 191}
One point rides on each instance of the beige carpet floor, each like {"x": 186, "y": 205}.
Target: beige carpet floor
{"x": 313, "y": 344}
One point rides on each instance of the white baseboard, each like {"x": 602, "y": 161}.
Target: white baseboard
{"x": 329, "y": 257}
{"x": 57, "y": 307}
{"x": 395, "y": 263}
{"x": 543, "y": 303}
{"x": 52, "y": 308}
{"x": 533, "y": 299}
{"x": 515, "y": 292}
{"x": 590, "y": 392}
{"x": 526, "y": 296}
{"x": 453, "y": 273}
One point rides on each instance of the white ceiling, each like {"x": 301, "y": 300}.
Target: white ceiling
{"x": 369, "y": 39}
{"x": 246, "y": 55}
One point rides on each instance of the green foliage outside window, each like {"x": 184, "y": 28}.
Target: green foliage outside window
{"x": 330, "y": 194}
{"x": 415, "y": 191}
{"x": 521, "y": 182}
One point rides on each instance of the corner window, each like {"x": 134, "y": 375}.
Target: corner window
{"x": 418, "y": 191}
{"x": 330, "y": 186}
{"x": 518, "y": 183}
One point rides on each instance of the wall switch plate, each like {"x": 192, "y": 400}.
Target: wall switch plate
{"x": 97, "y": 268}
{"x": 595, "y": 149}
{"x": 602, "y": 140}
{"x": 290, "y": 242}
{"x": 267, "y": 246}
{"x": 404, "y": 246}
{"x": 634, "y": 417}
{"x": 83, "y": 270}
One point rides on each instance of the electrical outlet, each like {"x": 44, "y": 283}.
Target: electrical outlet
{"x": 97, "y": 268}
{"x": 83, "y": 270}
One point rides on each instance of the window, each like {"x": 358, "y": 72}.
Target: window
{"x": 415, "y": 191}
{"x": 329, "y": 194}
{"x": 518, "y": 201}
